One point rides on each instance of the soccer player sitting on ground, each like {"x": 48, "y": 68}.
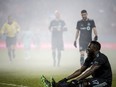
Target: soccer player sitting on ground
{"x": 96, "y": 64}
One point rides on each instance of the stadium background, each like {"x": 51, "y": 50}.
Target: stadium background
{"x": 36, "y": 15}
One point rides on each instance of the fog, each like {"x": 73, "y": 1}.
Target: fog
{"x": 37, "y": 14}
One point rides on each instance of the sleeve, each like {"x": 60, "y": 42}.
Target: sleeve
{"x": 98, "y": 61}
{"x": 93, "y": 24}
{"x": 87, "y": 62}
{"x": 78, "y": 25}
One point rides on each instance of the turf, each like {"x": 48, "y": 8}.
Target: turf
{"x": 31, "y": 81}
{"x": 27, "y": 73}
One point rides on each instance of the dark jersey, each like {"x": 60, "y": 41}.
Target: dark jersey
{"x": 57, "y": 27}
{"x": 85, "y": 28}
{"x": 104, "y": 71}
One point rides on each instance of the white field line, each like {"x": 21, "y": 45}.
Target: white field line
{"x": 13, "y": 85}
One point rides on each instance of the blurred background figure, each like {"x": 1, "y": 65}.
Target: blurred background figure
{"x": 36, "y": 38}
{"x": 10, "y": 29}
{"x": 57, "y": 27}
{"x": 27, "y": 38}
{"x": 84, "y": 28}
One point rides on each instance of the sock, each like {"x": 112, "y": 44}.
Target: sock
{"x": 13, "y": 53}
{"x": 82, "y": 60}
{"x": 54, "y": 60}
{"x": 9, "y": 55}
{"x": 59, "y": 57}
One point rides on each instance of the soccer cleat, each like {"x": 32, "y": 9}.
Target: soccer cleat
{"x": 53, "y": 83}
{"x": 45, "y": 82}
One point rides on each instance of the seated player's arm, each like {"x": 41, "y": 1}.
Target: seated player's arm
{"x": 88, "y": 72}
{"x": 77, "y": 73}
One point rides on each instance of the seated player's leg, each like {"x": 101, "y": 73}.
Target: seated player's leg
{"x": 75, "y": 83}
{"x": 91, "y": 82}
{"x": 97, "y": 82}
{"x": 59, "y": 84}
{"x": 81, "y": 83}
{"x": 64, "y": 84}
{"x": 47, "y": 83}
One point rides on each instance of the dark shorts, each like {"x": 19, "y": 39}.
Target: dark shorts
{"x": 10, "y": 41}
{"x": 83, "y": 45}
{"x": 97, "y": 82}
{"x": 92, "y": 82}
{"x": 57, "y": 44}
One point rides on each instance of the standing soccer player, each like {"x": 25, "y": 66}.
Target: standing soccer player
{"x": 84, "y": 31}
{"x": 57, "y": 27}
{"x": 27, "y": 41}
{"x": 10, "y": 29}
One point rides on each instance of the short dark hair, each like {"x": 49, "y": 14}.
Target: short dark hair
{"x": 97, "y": 44}
{"x": 83, "y": 11}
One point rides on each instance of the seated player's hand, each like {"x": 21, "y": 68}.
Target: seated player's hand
{"x": 63, "y": 80}
{"x": 74, "y": 82}
{"x": 75, "y": 44}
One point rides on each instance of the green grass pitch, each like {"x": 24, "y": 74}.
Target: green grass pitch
{"x": 26, "y": 73}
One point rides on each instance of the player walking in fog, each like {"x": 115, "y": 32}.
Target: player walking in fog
{"x": 10, "y": 29}
{"x": 84, "y": 32}
{"x": 57, "y": 27}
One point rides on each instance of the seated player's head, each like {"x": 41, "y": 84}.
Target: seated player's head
{"x": 93, "y": 47}
{"x": 96, "y": 45}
